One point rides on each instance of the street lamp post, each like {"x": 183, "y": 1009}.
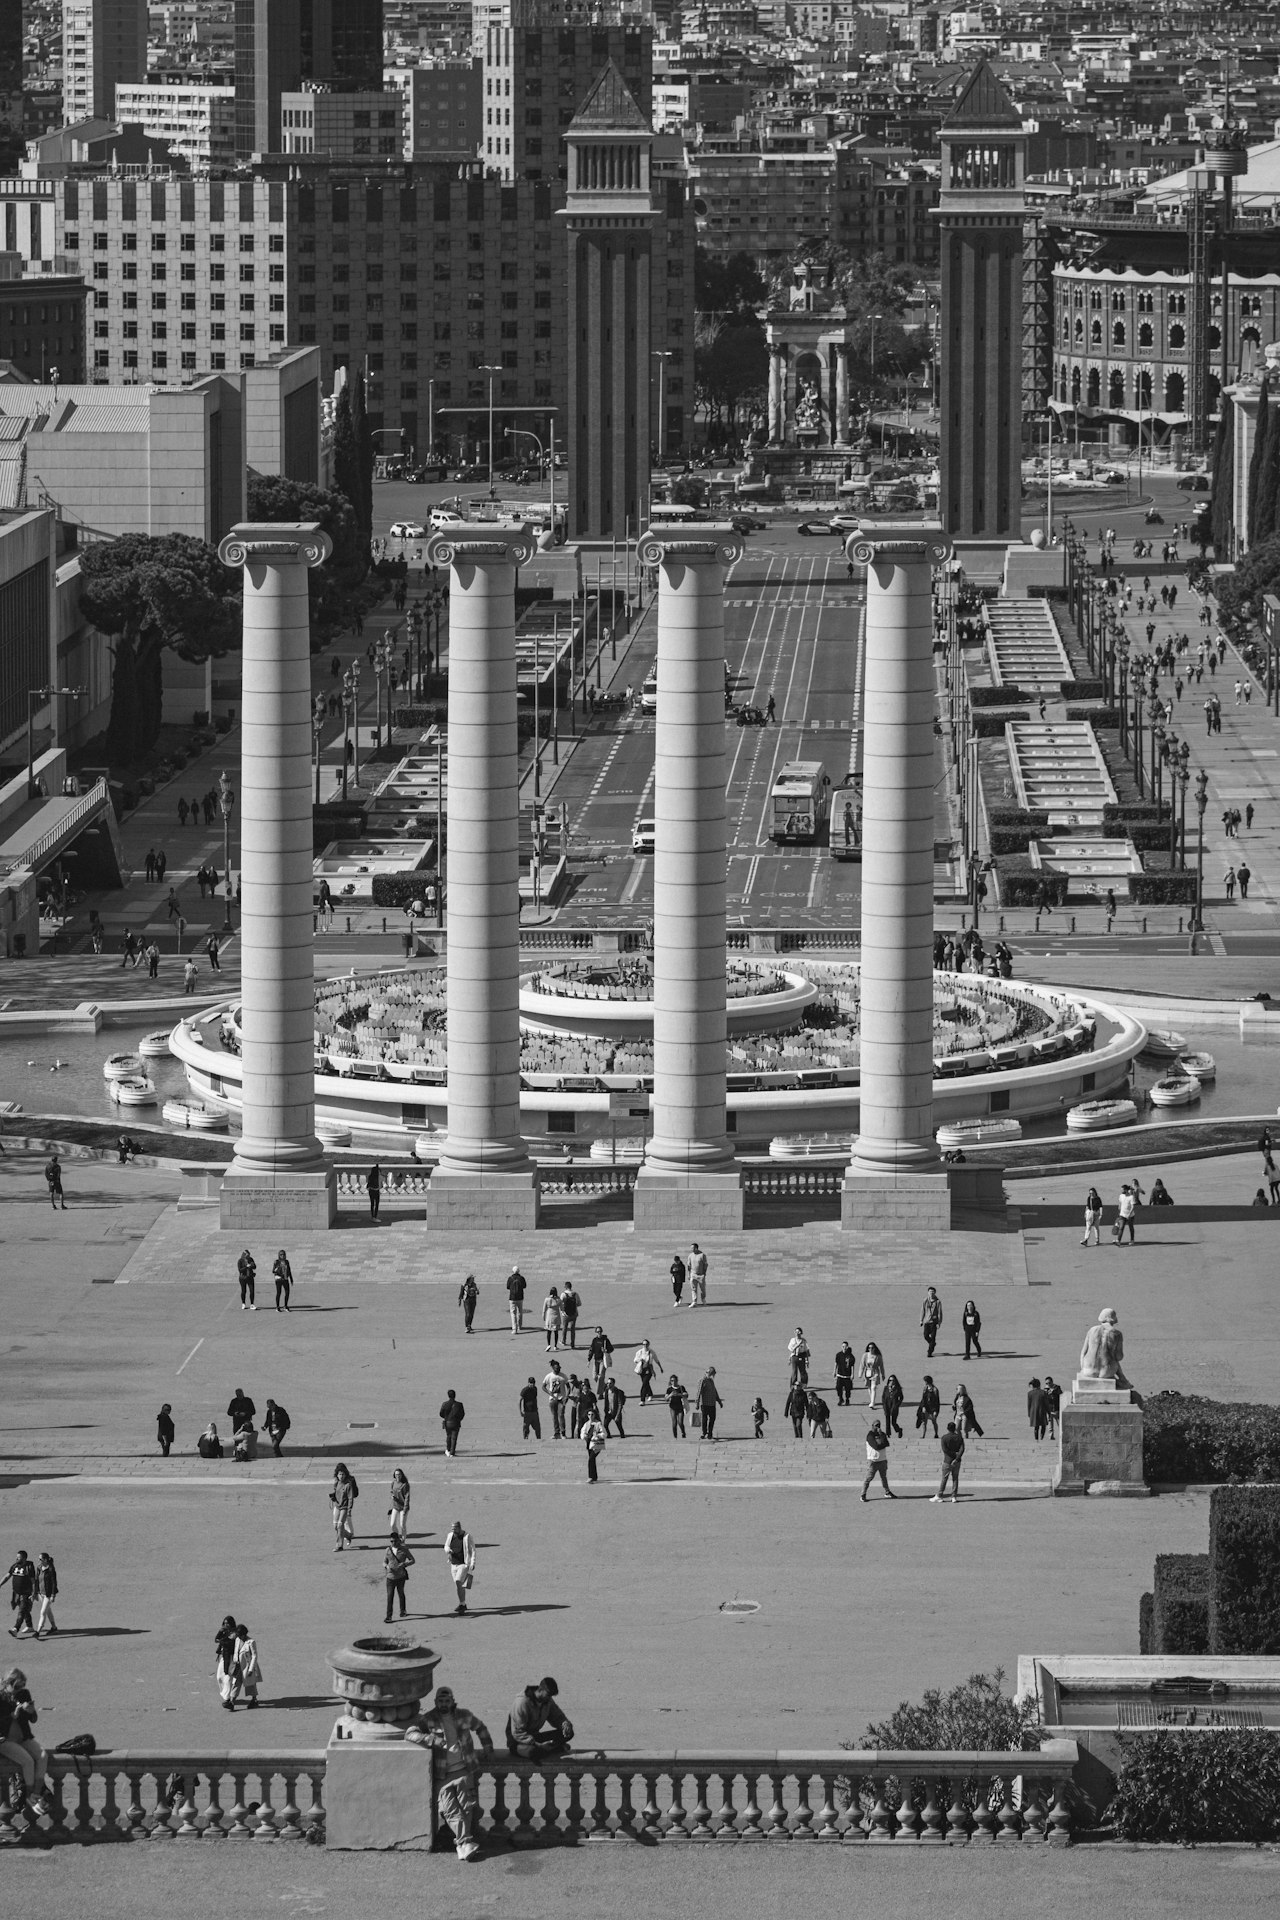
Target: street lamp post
{"x": 1139, "y": 710}
{"x": 36, "y": 696}
{"x": 1202, "y": 801}
{"x": 1159, "y": 754}
{"x": 226, "y": 801}
{"x": 355, "y": 725}
{"x": 490, "y": 370}
{"x": 348, "y": 709}
{"x": 1184, "y": 775}
{"x": 1122, "y": 664}
{"x": 318, "y": 711}
{"x": 662, "y": 355}
{"x": 382, "y": 652}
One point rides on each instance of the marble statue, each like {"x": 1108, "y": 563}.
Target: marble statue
{"x": 1102, "y": 1355}
{"x": 808, "y": 410}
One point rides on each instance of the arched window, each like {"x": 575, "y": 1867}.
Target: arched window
{"x": 1094, "y": 388}
{"x": 1177, "y": 303}
{"x": 1145, "y": 335}
{"x": 1115, "y": 392}
{"x": 1250, "y": 350}
{"x": 1066, "y": 331}
{"x": 1062, "y": 381}
{"x": 1117, "y": 333}
{"x": 1095, "y": 333}
{"x": 1215, "y": 337}
{"x": 1177, "y": 337}
{"x": 1146, "y": 303}
{"x": 1095, "y": 299}
{"x": 1077, "y": 298}
{"x": 1144, "y": 387}
{"x": 1174, "y": 390}
{"x": 1118, "y": 300}
{"x": 1075, "y": 386}
{"x": 1079, "y": 330}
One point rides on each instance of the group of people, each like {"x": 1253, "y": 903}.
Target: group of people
{"x": 247, "y": 1274}
{"x": 191, "y": 810}
{"x": 30, "y": 1580}
{"x": 537, "y": 1729}
{"x": 237, "y": 1669}
{"x": 244, "y": 1435}
{"x": 1129, "y": 1200}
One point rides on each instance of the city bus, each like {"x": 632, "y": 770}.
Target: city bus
{"x": 846, "y": 820}
{"x": 800, "y": 801}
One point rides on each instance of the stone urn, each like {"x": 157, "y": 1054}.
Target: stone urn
{"x": 381, "y": 1683}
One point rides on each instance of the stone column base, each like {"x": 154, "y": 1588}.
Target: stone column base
{"x": 902, "y": 1202}
{"x": 687, "y": 1204}
{"x": 378, "y": 1797}
{"x": 1100, "y": 1445}
{"x": 483, "y": 1202}
{"x": 297, "y": 1202}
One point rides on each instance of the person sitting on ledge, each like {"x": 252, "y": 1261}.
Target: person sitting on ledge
{"x": 1260, "y": 1198}
{"x": 1160, "y": 1195}
{"x": 208, "y": 1445}
{"x": 531, "y": 1713}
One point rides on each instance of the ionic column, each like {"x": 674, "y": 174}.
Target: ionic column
{"x": 278, "y": 1177}
{"x": 776, "y": 414}
{"x": 895, "y": 1167}
{"x": 484, "y": 1179}
{"x": 841, "y": 436}
{"x": 689, "y": 1181}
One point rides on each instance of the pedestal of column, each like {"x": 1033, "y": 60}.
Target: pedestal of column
{"x": 896, "y": 1179}
{"x": 689, "y": 1183}
{"x": 278, "y": 1180}
{"x": 484, "y": 1180}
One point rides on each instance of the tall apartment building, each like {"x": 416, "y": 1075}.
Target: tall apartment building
{"x": 11, "y": 102}
{"x": 283, "y": 44}
{"x": 766, "y": 201}
{"x": 358, "y": 127}
{"x": 104, "y": 42}
{"x": 422, "y": 280}
{"x": 196, "y": 122}
{"x": 42, "y": 325}
{"x": 536, "y": 78}
{"x": 443, "y": 106}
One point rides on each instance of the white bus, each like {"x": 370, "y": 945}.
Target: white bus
{"x": 801, "y": 800}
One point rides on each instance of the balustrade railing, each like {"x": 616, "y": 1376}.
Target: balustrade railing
{"x": 268, "y": 1795}
{"x": 400, "y": 1186}
{"x": 792, "y": 1183}
{"x": 574, "y": 1180}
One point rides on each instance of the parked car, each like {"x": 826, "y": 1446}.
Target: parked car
{"x": 1193, "y": 483}
{"x": 814, "y": 528}
{"x": 747, "y": 523}
{"x": 445, "y": 517}
{"x": 408, "y": 530}
{"x": 642, "y": 836}
{"x": 649, "y": 694}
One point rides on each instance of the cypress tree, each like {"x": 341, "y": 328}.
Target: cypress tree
{"x": 362, "y": 501}
{"x": 1255, "y": 462}
{"x": 346, "y": 463}
{"x": 1268, "y": 501}
{"x": 1223, "y": 448}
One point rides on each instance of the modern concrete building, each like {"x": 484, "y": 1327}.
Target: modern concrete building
{"x": 360, "y": 127}
{"x": 766, "y": 198}
{"x": 42, "y": 326}
{"x": 535, "y": 80}
{"x": 281, "y": 45}
{"x": 197, "y": 123}
{"x": 104, "y": 42}
{"x": 608, "y": 219}
{"x": 12, "y": 101}
{"x": 444, "y": 108}
{"x": 980, "y": 339}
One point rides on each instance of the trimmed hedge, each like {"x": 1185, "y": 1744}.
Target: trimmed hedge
{"x": 1006, "y": 696}
{"x": 1148, "y": 836}
{"x": 1013, "y": 839}
{"x": 331, "y": 821}
{"x": 1187, "y": 1439}
{"x": 1133, "y": 811}
{"x": 1215, "y": 1784}
{"x": 1162, "y": 889}
{"x": 1096, "y": 716}
{"x": 1021, "y": 887}
{"x": 420, "y": 716}
{"x": 400, "y": 889}
{"x": 988, "y": 726}
{"x": 1180, "y": 1606}
{"x": 1083, "y": 689}
{"x": 1244, "y": 1555}
{"x": 1145, "y": 1606}
{"x": 1029, "y": 817}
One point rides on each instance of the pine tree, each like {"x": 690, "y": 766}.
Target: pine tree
{"x": 1255, "y": 463}
{"x": 346, "y": 459}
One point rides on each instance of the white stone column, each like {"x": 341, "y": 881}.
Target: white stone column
{"x": 689, "y": 1182}
{"x": 278, "y": 1178}
{"x": 895, "y": 1177}
{"x": 484, "y": 1180}
{"x": 841, "y": 436}
{"x": 776, "y": 405}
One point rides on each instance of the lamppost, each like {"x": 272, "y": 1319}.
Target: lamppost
{"x": 662, "y": 356}
{"x": 350, "y": 683}
{"x": 1159, "y": 754}
{"x": 414, "y": 616}
{"x": 1121, "y": 653}
{"x": 36, "y": 696}
{"x": 382, "y": 657}
{"x": 318, "y": 711}
{"x": 490, "y": 370}
{"x": 1139, "y": 710}
{"x": 226, "y": 801}
{"x": 1202, "y": 801}
{"x": 1184, "y": 775}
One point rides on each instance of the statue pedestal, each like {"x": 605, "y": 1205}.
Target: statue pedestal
{"x": 1100, "y": 1441}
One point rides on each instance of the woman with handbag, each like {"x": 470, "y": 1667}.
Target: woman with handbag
{"x": 343, "y": 1495}
{"x": 226, "y": 1665}
{"x": 399, "y": 1511}
{"x": 460, "y": 1558}
{"x": 872, "y": 1371}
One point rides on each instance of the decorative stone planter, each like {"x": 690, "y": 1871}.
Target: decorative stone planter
{"x": 381, "y": 1683}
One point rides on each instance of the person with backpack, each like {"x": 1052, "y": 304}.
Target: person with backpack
{"x": 396, "y": 1562}
{"x": 284, "y": 1281}
{"x": 570, "y": 1307}
{"x": 246, "y": 1268}
{"x": 53, "y": 1180}
{"x": 593, "y": 1439}
{"x": 952, "y": 1444}
{"x": 343, "y": 1495}
{"x": 276, "y": 1424}
{"x": 468, "y": 1294}
{"x": 794, "y": 1408}
{"x": 928, "y": 1407}
{"x": 678, "y": 1275}
{"x": 697, "y": 1277}
{"x": 516, "y": 1287}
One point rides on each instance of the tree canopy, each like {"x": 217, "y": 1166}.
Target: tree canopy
{"x": 727, "y": 285}
{"x": 146, "y": 593}
{"x": 732, "y": 373}
{"x": 332, "y": 588}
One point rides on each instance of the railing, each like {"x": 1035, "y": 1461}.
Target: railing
{"x": 579, "y": 1180}
{"x": 88, "y": 803}
{"x": 792, "y": 1183}
{"x": 399, "y": 1187}
{"x": 176, "y": 1796}
{"x": 855, "y": 1798}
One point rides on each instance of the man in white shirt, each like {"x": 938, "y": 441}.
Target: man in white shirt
{"x": 1128, "y": 1206}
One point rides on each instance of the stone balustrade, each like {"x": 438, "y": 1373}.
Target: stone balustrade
{"x": 407, "y": 1188}
{"x": 792, "y": 1183}
{"x": 854, "y": 1798}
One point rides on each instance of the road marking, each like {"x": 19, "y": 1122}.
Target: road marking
{"x": 194, "y": 1351}
{"x": 633, "y": 885}
{"x": 813, "y": 884}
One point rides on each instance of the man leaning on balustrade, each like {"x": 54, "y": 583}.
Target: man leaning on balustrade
{"x": 453, "y": 1735}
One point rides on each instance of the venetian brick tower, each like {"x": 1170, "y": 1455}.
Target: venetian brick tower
{"x": 608, "y": 217}
{"x": 981, "y": 210}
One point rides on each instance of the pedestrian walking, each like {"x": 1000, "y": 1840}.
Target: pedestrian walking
{"x": 819, "y": 1417}
{"x": 798, "y": 1355}
{"x": 373, "y": 1187}
{"x": 275, "y": 1423}
{"x": 891, "y": 1402}
{"x": 795, "y": 1407}
{"x": 678, "y": 1272}
{"x": 551, "y": 1319}
{"x": 613, "y": 1402}
{"x": 190, "y": 974}
{"x": 556, "y": 1388}
{"x": 1248, "y": 817}
{"x": 1126, "y": 1209}
{"x": 452, "y": 1415}
{"x": 1229, "y": 882}
{"x": 343, "y": 1495}
{"x": 454, "y": 1737}
{"x": 460, "y": 1558}
{"x": 878, "y": 1461}
{"x": 1092, "y": 1220}
{"x": 398, "y": 1511}
{"x": 846, "y": 1361}
{"x": 1272, "y": 1173}
{"x": 1037, "y": 1407}
{"x": 396, "y": 1562}
{"x": 46, "y": 1594}
{"x": 246, "y": 1269}
{"x": 709, "y": 1401}
{"x": 872, "y": 1371}
{"x": 928, "y": 1407}
{"x": 599, "y": 1355}
{"x": 226, "y": 1667}
{"x": 1244, "y": 875}
{"x": 952, "y": 1444}
{"x": 1052, "y": 1403}
{"x": 646, "y": 1363}
{"x": 165, "y": 1429}
{"x": 931, "y": 1319}
{"x": 966, "y": 1416}
{"x": 284, "y": 1281}
{"x": 593, "y": 1438}
{"x": 516, "y": 1286}
{"x": 21, "y": 1581}
{"x": 213, "y": 949}
{"x": 677, "y": 1400}
{"x": 570, "y": 1308}
{"x": 468, "y": 1294}
{"x": 573, "y": 1404}
{"x": 527, "y": 1401}
{"x": 248, "y": 1663}
{"x": 971, "y": 1322}
{"x": 697, "y": 1277}
{"x": 53, "y": 1180}
{"x": 759, "y": 1414}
